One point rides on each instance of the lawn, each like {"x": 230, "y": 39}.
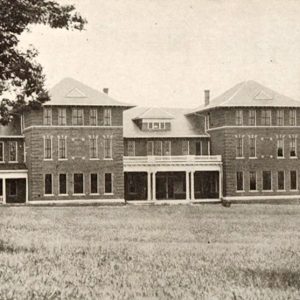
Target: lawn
{"x": 153, "y": 252}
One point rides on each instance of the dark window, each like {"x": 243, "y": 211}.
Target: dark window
{"x": 293, "y": 178}
{"x": 239, "y": 117}
{"x": 266, "y": 117}
{"x": 239, "y": 147}
{"x": 47, "y": 116}
{"x": 252, "y": 181}
{"x": 62, "y": 116}
{"x": 63, "y": 184}
{"x": 239, "y": 181}
{"x": 62, "y": 148}
{"x": 185, "y": 147}
{"x": 131, "y": 148}
{"x": 267, "y": 180}
{"x": 150, "y": 147}
{"x": 293, "y": 152}
{"x": 12, "y": 151}
{"x": 198, "y": 148}
{"x": 292, "y": 117}
{"x": 167, "y": 148}
{"x": 108, "y": 183}
{"x": 280, "y": 180}
{"x": 280, "y": 146}
{"x": 93, "y": 116}
{"x": 108, "y": 147}
{"x": 93, "y": 147}
{"x": 107, "y": 117}
{"x": 252, "y": 142}
{"x": 94, "y": 183}
{"x": 48, "y": 184}
{"x": 48, "y": 148}
{"x": 168, "y": 125}
{"x": 157, "y": 148}
{"x": 12, "y": 187}
{"x": 252, "y": 117}
{"x": 78, "y": 183}
{"x": 1, "y": 151}
{"x": 1, "y": 191}
{"x": 77, "y": 116}
{"x": 280, "y": 117}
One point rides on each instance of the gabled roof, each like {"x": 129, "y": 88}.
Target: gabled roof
{"x": 181, "y": 125}
{"x": 72, "y": 92}
{"x": 154, "y": 113}
{"x": 249, "y": 94}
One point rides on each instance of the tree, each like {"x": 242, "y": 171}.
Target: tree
{"x": 21, "y": 76}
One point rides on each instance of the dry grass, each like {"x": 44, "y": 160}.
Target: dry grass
{"x": 190, "y": 252}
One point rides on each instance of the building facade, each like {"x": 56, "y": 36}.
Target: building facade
{"x": 84, "y": 146}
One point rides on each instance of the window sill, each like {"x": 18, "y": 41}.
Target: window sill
{"x": 296, "y": 190}
{"x": 62, "y": 159}
{"x": 253, "y": 191}
{"x": 94, "y": 158}
{"x": 280, "y": 157}
{"x": 293, "y": 157}
{"x": 12, "y": 162}
{"x": 94, "y": 194}
{"x": 80, "y": 194}
{"x": 48, "y": 159}
{"x": 108, "y": 194}
{"x": 252, "y": 157}
{"x": 107, "y": 158}
{"x": 240, "y": 157}
{"x": 243, "y": 191}
{"x": 64, "y": 195}
{"x": 49, "y": 195}
{"x": 281, "y": 191}
{"x": 268, "y": 191}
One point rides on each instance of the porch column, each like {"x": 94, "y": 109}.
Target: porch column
{"x": 192, "y": 185}
{"x": 4, "y": 190}
{"x": 149, "y": 186}
{"x": 187, "y": 185}
{"x": 154, "y": 186}
{"x": 221, "y": 183}
{"x": 208, "y": 147}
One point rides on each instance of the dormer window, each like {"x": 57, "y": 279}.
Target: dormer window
{"x": 156, "y": 125}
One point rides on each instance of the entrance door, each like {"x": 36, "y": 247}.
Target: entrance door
{"x": 15, "y": 190}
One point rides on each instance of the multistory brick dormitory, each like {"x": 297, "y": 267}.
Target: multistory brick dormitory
{"x": 83, "y": 146}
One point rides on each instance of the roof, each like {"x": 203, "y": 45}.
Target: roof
{"x": 155, "y": 113}
{"x": 181, "y": 125}
{"x": 249, "y": 94}
{"x": 72, "y": 92}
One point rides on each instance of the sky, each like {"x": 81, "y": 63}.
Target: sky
{"x": 166, "y": 52}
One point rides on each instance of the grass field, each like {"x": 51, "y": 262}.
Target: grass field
{"x": 153, "y": 252}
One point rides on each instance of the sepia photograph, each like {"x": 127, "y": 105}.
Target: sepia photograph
{"x": 149, "y": 149}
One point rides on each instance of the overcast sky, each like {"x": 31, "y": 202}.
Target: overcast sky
{"x": 166, "y": 52}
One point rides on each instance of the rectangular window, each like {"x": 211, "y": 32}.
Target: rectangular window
{"x": 62, "y": 116}
{"x": 280, "y": 180}
{"x": 78, "y": 184}
{"x": 62, "y": 184}
{"x": 48, "y": 147}
{"x": 162, "y": 125}
{"x": 252, "y": 179}
{"x": 150, "y": 148}
{"x": 93, "y": 147}
{"x": 48, "y": 184}
{"x": 156, "y": 125}
{"x": 280, "y": 117}
{"x": 108, "y": 147}
{"x": 93, "y": 117}
{"x": 62, "y": 148}
{"x": 131, "y": 148}
{"x": 239, "y": 146}
{"x": 1, "y": 152}
{"x": 185, "y": 147}
{"x": 107, "y": 117}
{"x": 108, "y": 183}
{"x": 267, "y": 180}
{"x": 12, "y": 187}
{"x": 77, "y": 116}
{"x": 94, "y": 183}
{"x": 252, "y": 146}
{"x": 266, "y": 117}
{"x": 292, "y": 117}
{"x": 12, "y": 146}
{"x": 47, "y": 116}
{"x": 280, "y": 146}
{"x": 252, "y": 117}
{"x": 167, "y": 148}
{"x": 150, "y": 125}
{"x": 293, "y": 180}
{"x": 167, "y": 125}
{"x": 157, "y": 148}
{"x": 238, "y": 117}
{"x": 239, "y": 181}
{"x": 293, "y": 142}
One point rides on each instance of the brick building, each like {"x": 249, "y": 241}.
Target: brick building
{"x": 83, "y": 145}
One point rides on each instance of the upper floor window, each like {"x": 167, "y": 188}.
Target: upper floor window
{"x": 93, "y": 147}
{"x": 93, "y": 116}
{"x": 107, "y": 147}
{"x": 62, "y": 116}
{"x": 107, "y": 117}
{"x": 131, "y": 148}
{"x": 292, "y": 117}
{"x": 293, "y": 146}
{"x": 252, "y": 146}
{"x": 167, "y": 148}
{"x": 280, "y": 117}
{"x": 62, "y": 147}
{"x": 239, "y": 147}
{"x": 77, "y": 116}
{"x": 239, "y": 117}
{"x": 280, "y": 146}
{"x": 1, "y": 152}
{"x": 150, "y": 148}
{"x": 158, "y": 148}
{"x": 252, "y": 117}
{"x": 48, "y": 147}
{"x": 239, "y": 181}
{"x": 185, "y": 147}
{"x": 12, "y": 146}
{"x": 266, "y": 117}
{"x": 47, "y": 116}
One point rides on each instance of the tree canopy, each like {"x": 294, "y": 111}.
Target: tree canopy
{"x": 21, "y": 76}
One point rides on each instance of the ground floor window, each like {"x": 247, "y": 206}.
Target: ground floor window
{"x": 252, "y": 179}
{"x": 108, "y": 183}
{"x": 78, "y": 184}
{"x": 62, "y": 184}
{"x": 293, "y": 180}
{"x": 94, "y": 183}
{"x": 239, "y": 181}
{"x": 48, "y": 184}
{"x": 280, "y": 180}
{"x": 267, "y": 180}
{"x": 12, "y": 188}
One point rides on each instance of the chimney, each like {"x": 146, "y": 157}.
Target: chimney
{"x": 105, "y": 90}
{"x": 206, "y": 97}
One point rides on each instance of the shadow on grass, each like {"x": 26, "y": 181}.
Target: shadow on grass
{"x": 7, "y": 248}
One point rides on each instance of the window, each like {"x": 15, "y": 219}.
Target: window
{"x": 162, "y": 125}
{"x": 12, "y": 187}
{"x": 293, "y": 180}
{"x": 252, "y": 146}
{"x": 108, "y": 183}
{"x": 167, "y": 148}
{"x": 156, "y": 125}
{"x": 93, "y": 116}
{"x": 93, "y": 147}
{"x": 77, "y": 116}
{"x": 167, "y": 125}
{"x": 62, "y": 147}
{"x": 293, "y": 151}
{"x": 239, "y": 117}
{"x": 266, "y": 117}
{"x": 252, "y": 179}
{"x": 280, "y": 117}
{"x": 1, "y": 152}
{"x": 150, "y": 148}
{"x": 267, "y": 180}
{"x": 48, "y": 147}
{"x": 157, "y": 148}
{"x": 150, "y": 125}
{"x": 78, "y": 184}
{"x": 292, "y": 117}
{"x": 239, "y": 181}
{"x": 280, "y": 180}
{"x": 107, "y": 117}
{"x": 239, "y": 146}
{"x": 12, "y": 146}
{"x": 47, "y": 116}
{"x": 62, "y": 116}
{"x": 252, "y": 117}
{"x": 107, "y": 147}
{"x": 280, "y": 146}
{"x": 62, "y": 182}
{"x": 94, "y": 183}
{"x": 131, "y": 148}
{"x": 48, "y": 184}
{"x": 185, "y": 147}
